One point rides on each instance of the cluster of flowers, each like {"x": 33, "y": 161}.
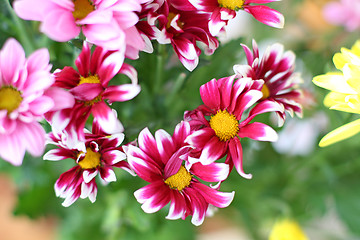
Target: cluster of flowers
{"x": 176, "y": 166}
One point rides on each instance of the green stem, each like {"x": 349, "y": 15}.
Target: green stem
{"x": 159, "y": 68}
{"x": 21, "y": 30}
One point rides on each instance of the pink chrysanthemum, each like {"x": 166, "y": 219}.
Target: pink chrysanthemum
{"x": 90, "y": 87}
{"x": 183, "y": 29}
{"x": 98, "y": 154}
{"x": 276, "y": 68}
{"x": 162, "y": 161}
{"x": 225, "y": 10}
{"x": 345, "y": 13}
{"x": 110, "y": 24}
{"x": 25, "y": 96}
{"x": 225, "y": 102}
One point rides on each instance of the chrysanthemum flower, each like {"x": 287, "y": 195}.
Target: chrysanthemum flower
{"x": 344, "y": 13}
{"x": 225, "y": 102}
{"x": 110, "y": 24}
{"x": 345, "y": 92}
{"x": 183, "y": 29}
{"x": 98, "y": 154}
{"x": 287, "y": 230}
{"x": 225, "y": 10}
{"x": 163, "y": 162}
{"x": 276, "y": 68}
{"x": 90, "y": 87}
{"x": 25, "y": 96}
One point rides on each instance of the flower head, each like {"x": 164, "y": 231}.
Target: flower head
{"x": 220, "y": 122}
{"x": 163, "y": 162}
{"x": 183, "y": 29}
{"x": 90, "y": 87}
{"x": 345, "y": 92}
{"x": 110, "y": 24}
{"x": 25, "y": 96}
{"x": 276, "y": 68}
{"x": 224, "y": 10}
{"x": 287, "y": 230}
{"x": 344, "y": 12}
{"x": 99, "y": 153}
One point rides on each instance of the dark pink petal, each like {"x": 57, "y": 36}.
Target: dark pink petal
{"x": 199, "y": 138}
{"x": 66, "y": 78}
{"x": 89, "y": 174}
{"x": 164, "y": 144}
{"x": 106, "y": 118}
{"x": 87, "y": 91}
{"x": 210, "y": 94}
{"x": 110, "y": 66}
{"x": 181, "y": 132}
{"x": 214, "y": 172}
{"x": 236, "y": 157}
{"x": 214, "y": 197}
{"x": 83, "y": 60}
{"x": 197, "y": 205}
{"x": 213, "y": 151}
{"x": 263, "y": 107}
{"x": 245, "y": 101}
{"x": 258, "y": 131}
{"x": 107, "y": 174}
{"x": 121, "y": 93}
{"x": 174, "y": 163}
{"x": 148, "y": 144}
{"x": 112, "y": 157}
{"x": 144, "y": 167}
{"x": 177, "y": 205}
{"x": 216, "y": 23}
{"x": 225, "y": 91}
{"x": 266, "y": 15}
{"x": 153, "y": 197}
{"x": 205, "y": 5}
{"x": 186, "y": 48}
{"x": 59, "y": 154}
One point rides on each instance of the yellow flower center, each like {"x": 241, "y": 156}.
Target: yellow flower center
{"x": 179, "y": 180}
{"x": 287, "y": 230}
{"x": 89, "y": 79}
{"x": 225, "y": 125}
{"x": 10, "y": 98}
{"x": 266, "y": 92}
{"x": 231, "y": 4}
{"x": 170, "y": 18}
{"x": 91, "y": 159}
{"x": 82, "y": 8}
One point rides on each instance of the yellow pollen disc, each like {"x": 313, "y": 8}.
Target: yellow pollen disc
{"x": 91, "y": 159}
{"x": 10, "y": 98}
{"x": 82, "y": 8}
{"x": 170, "y": 18}
{"x": 89, "y": 79}
{"x": 231, "y": 4}
{"x": 266, "y": 92}
{"x": 179, "y": 180}
{"x": 225, "y": 125}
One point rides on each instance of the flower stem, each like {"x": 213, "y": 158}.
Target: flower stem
{"x": 159, "y": 68}
{"x": 20, "y": 28}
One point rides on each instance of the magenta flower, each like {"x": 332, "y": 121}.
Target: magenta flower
{"x": 183, "y": 29}
{"x": 225, "y": 102}
{"x": 109, "y": 24}
{"x": 90, "y": 87}
{"x": 224, "y": 10}
{"x": 343, "y": 12}
{"x": 276, "y": 68}
{"x": 163, "y": 162}
{"x": 25, "y": 96}
{"x": 98, "y": 154}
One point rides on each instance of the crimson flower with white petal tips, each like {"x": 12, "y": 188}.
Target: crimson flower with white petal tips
{"x": 26, "y": 94}
{"x": 225, "y": 102}
{"x": 90, "y": 87}
{"x": 163, "y": 162}
{"x": 276, "y": 68}
{"x": 224, "y": 10}
{"x": 99, "y": 153}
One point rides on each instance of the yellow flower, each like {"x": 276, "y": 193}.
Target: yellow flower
{"x": 345, "y": 92}
{"x": 287, "y": 230}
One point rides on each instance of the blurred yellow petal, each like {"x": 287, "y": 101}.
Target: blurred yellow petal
{"x": 333, "y": 81}
{"x": 339, "y": 61}
{"x": 352, "y": 76}
{"x": 341, "y": 133}
{"x": 356, "y": 48}
{"x": 343, "y": 102}
{"x": 287, "y": 230}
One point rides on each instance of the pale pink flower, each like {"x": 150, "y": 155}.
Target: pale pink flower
{"x": 110, "y": 24}
{"x": 343, "y": 12}
{"x": 163, "y": 162}
{"x": 25, "y": 96}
